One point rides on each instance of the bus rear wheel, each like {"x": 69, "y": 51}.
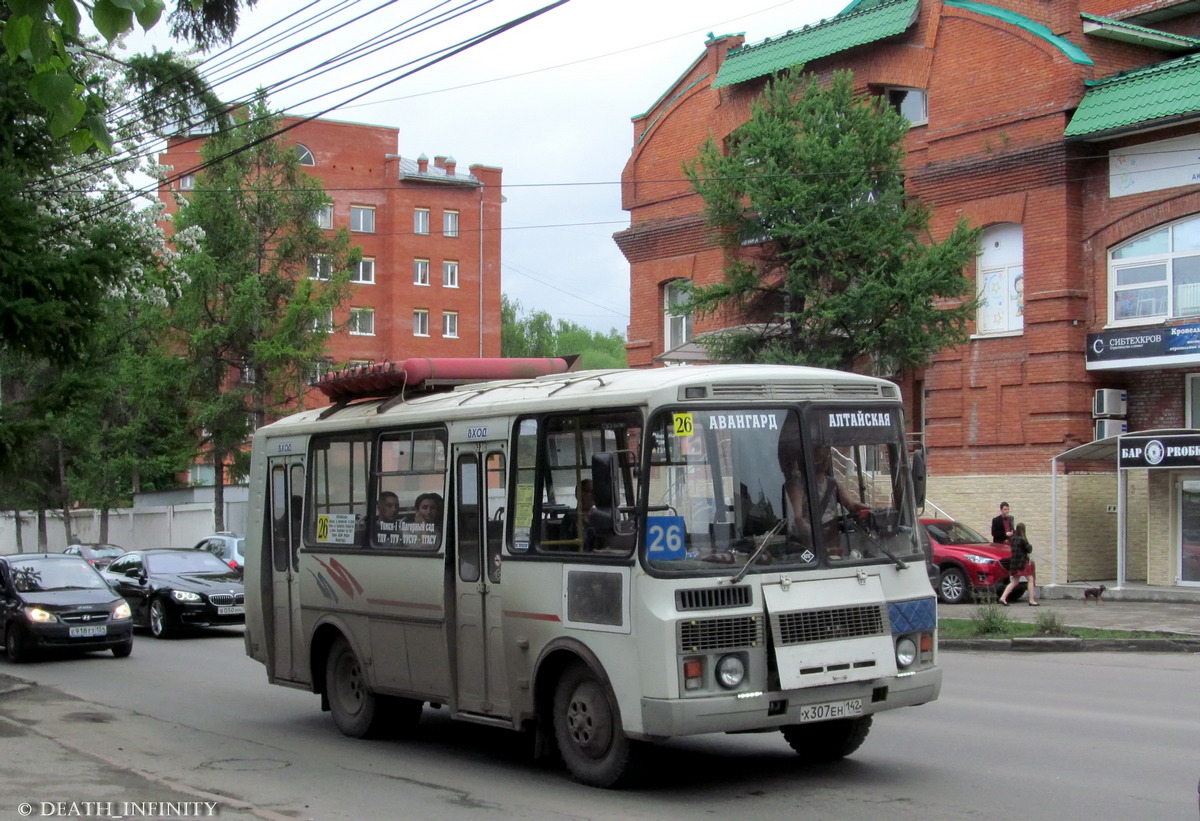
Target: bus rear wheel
{"x": 588, "y": 730}
{"x": 357, "y": 711}
{"x": 827, "y": 741}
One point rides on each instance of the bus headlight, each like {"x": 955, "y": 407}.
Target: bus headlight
{"x": 906, "y": 652}
{"x": 730, "y": 671}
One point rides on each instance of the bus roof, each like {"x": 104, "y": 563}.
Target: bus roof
{"x": 609, "y": 388}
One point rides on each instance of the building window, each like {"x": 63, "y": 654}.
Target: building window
{"x": 421, "y": 221}
{"x": 678, "y": 328}
{"x": 420, "y": 322}
{"x": 187, "y": 182}
{"x": 1156, "y": 275}
{"x": 1000, "y": 281}
{"x": 362, "y": 219}
{"x": 320, "y": 267}
{"x": 450, "y": 324}
{"x": 362, "y": 321}
{"x": 910, "y": 103}
{"x": 304, "y": 155}
{"x": 324, "y": 218}
{"x": 323, "y": 324}
{"x": 449, "y": 274}
{"x": 1192, "y": 400}
{"x": 450, "y": 223}
{"x": 364, "y": 271}
{"x": 420, "y": 272}
{"x": 247, "y": 373}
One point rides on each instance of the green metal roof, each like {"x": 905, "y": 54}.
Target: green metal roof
{"x": 853, "y": 27}
{"x": 1110, "y": 29}
{"x": 1074, "y": 52}
{"x": 1154, "y": 94}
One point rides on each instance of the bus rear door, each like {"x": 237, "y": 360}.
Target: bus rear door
{"x": 480, "y": 490}
{"x": 287, "y": 495}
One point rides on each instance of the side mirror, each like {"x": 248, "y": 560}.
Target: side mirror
{"x": 919, "y": 475}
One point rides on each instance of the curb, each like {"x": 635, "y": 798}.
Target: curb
{"x": 1074, "y": 645}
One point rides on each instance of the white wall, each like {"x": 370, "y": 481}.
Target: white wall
{"x": 160, "y": 526}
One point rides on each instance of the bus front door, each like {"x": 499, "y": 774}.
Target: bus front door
{"x": 482, "y": 682}
{"x": 287, "y": 494}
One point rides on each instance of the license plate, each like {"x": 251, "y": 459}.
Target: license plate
{"x": 85, "y": 632}
{"x": 232, "y": 610}
{"x": 833, "y": 709}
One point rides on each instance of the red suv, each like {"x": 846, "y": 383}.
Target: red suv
{"x": 966, "y": 560}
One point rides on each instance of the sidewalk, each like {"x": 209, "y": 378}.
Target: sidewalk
{"x": 1136, "y": 607}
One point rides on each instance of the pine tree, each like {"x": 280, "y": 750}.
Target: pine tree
{"x": 829, "y": 262}
{"x": 252, "y": 318}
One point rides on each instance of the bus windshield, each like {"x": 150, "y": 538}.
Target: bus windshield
{"x": 813, "y": 488}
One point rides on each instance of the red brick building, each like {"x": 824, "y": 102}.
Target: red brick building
{"x": 1068, "y": 131}
{"x": 429, "y": 282}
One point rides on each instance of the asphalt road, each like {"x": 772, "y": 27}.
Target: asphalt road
{"x": 1053, "y": 736}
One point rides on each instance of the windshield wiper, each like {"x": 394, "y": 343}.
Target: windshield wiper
{"x": 900, "y": 564}
{"x": 737, "y": 577}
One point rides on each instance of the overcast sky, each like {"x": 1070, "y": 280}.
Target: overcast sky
{"x": 549, "y": 101}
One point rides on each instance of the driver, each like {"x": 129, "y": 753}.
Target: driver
{"x": 832, "y": 498}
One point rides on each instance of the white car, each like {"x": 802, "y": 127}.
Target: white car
{"x": 225, "y": 546}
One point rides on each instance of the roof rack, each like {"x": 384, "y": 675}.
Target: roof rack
{"x": 422, "y": 375}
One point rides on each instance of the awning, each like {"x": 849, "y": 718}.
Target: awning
{"x": 1101, "y": 450}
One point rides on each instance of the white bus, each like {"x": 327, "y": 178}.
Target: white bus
{"x": 602, "y": 558}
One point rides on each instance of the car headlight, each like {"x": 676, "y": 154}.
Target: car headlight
{"x": 121, "y": 611}
{"x": 184, "y": 595}
{"x": 730, "y": 671}
{"x": 975, "y": 559}
{"x": 906, "y": 652}
{"x": 38, "y": 614}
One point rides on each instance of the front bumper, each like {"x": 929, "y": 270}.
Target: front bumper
{"x": 58, "y": 636}
{"x": 663, "y": 718}
{"x": 201, "y": 613}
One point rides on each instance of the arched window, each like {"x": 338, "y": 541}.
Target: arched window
{"x": 1156, "y": 275}
{"x": 1001, "y": 281}
{"x": 678, "y": 327}
{"x": 306, "y": 156}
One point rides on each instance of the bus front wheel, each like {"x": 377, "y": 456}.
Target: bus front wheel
{"x": 588, "y": 731}
{"x": 827, "y": 741}
{"x": 357, "y": 711}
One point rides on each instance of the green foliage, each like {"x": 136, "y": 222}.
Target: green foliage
{"x": 990, "y": 620}
{"x": 539, "y": 335}
{"x": 44, "y": 36}
{"x": 246, "y": 309}
{"x": 1050, "y": 623}
{"x": 828, "y": 260}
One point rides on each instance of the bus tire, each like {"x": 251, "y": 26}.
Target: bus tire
{"x": 827, "y": 741}
{"x": 588, "y": 731}
{"x": 357, "y": 711}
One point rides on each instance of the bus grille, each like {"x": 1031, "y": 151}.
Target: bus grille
{"x": 222, "y": 599}
{"x": 700, "y": 635}
{"x": 713, "y": 597}
{"x": 829, "y": 625}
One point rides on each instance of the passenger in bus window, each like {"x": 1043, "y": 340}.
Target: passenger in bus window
{"x": 421, "y": 528}
{"x": 581, "y": 519}
{"x": 387, "y": 519}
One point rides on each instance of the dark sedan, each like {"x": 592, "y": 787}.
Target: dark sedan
{"x": 169, "y": 589}
{"x": 52, "y": 601}
{"x": 97, "y": 554}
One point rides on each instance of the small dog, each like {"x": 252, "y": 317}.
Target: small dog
{"x": 1093, "y": 593}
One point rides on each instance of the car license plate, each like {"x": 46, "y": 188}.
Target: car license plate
{"x": 86, "y": 632}
{"x": 832, "y": 709}
{"x": 232, "y": 610}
